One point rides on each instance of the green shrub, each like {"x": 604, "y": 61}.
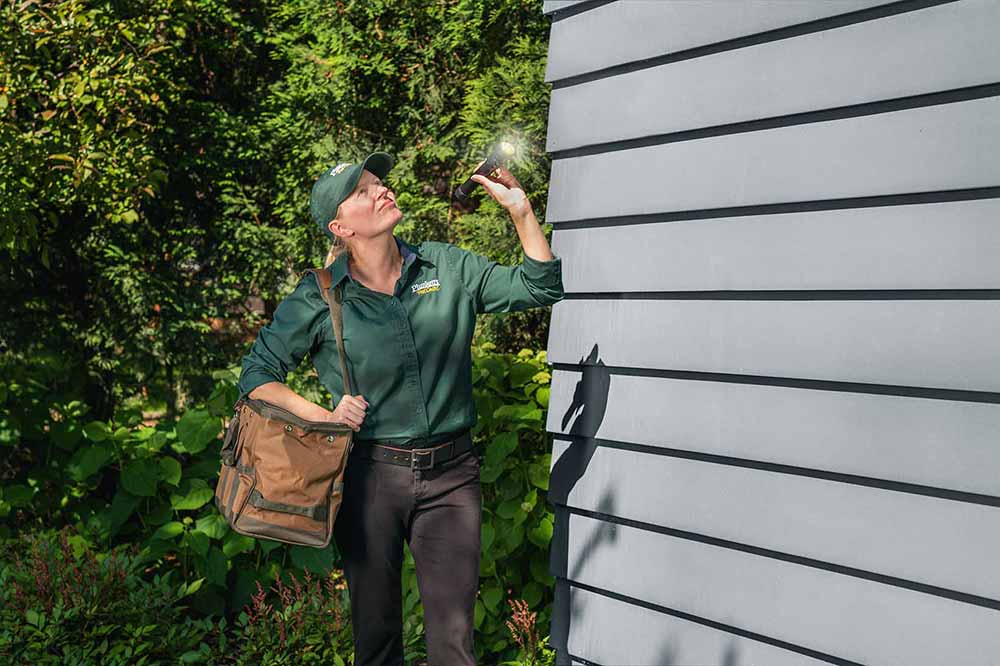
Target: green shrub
{"x": 61, "y": 603}
{"x": 151, "y": 487}
{"x": 309, "y": 625}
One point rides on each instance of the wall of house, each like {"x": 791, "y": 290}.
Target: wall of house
{"x": 776, "y": 391}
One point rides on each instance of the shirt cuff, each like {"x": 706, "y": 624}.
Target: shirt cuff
{"x": 543, "y": 273}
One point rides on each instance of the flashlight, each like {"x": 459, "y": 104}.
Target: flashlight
{"x": 503, "y": 152}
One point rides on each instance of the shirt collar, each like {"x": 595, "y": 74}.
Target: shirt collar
{"x": 411, "y": 253}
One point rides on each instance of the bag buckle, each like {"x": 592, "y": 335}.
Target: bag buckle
{"x": 413, "y": 458}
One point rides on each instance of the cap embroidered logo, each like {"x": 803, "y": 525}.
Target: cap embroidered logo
{"x": 340, "y": 167}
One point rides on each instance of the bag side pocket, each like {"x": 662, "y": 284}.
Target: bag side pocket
{"x": 228, "y": 451}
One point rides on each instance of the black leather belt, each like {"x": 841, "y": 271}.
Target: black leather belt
{"x": 414, "y": 458}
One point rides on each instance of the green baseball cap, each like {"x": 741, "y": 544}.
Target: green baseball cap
{"x": 336, "y": 184}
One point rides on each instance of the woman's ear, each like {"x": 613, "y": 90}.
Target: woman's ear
{"x": 338, "y": 229}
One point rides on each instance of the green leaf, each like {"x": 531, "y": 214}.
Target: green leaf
{"x": 88, "y": 461}
{"x": 317, "y": 560}
{"x": 487, "y": 535}
{"x": 168, "y": 531}
{"x": 521, "y": 373}
{"x": 515, "y": 536}
{"x": 509, "y": 508}
{"x": 539, "y": 475}
{"x": 532, "y": 594}
{"x": 33, "y": 618}
{"x": 214, "y": 525}
{"x": 198, "y": 542}
{"x": 541, "y": 534}
{"x": 267, "y": 545}
{"x": 192, "y": 494}
{"x": 498, "y": 450}
{"x": 542, "y": 396}
{"x": 539, "y": 566}
{"x": 139, "y": 478}
{"x": 96, "y": 431}
{"x": 192, "y": 587}
{"x": 195, "y": 429}
{"x": 520, "y": 412}
{"x": 170, "y": 470}
{"x": 18, "y": 495}
{"x": 161, "y": 513}
{"x": 491, "y": 597}
{"x": 122, "y": 506}
{"x": 489, "y": 474}
{"x": 236, "y": 543}
{"x": 479, "y": 613}
{"x": 529, "y": 501}
{"x": 216, "y": 567}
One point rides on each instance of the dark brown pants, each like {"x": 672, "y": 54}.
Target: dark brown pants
{"x": 438, "y": 511}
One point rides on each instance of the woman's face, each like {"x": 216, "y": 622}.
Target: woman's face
{"x": 368, "y": 211}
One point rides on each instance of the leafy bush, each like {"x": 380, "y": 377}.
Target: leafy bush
{"x": 151, "y": 486}
{"x": 310, "y": 625}
{"x": 154, "y": 203}
{"x": 62, "y": 603}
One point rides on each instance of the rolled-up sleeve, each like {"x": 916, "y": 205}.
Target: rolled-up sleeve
{"x": 281, "y": 345}
{"x": 497, "y": 288}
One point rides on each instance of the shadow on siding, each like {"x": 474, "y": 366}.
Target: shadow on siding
{"x": 586, "y": 411}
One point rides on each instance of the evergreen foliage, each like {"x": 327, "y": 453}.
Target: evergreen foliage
{"x": 154, "y": 203}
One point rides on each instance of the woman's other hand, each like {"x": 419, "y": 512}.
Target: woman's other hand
{"x": 351, "y": 411}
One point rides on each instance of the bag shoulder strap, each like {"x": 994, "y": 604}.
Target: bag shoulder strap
{"x": 325, "y": 279}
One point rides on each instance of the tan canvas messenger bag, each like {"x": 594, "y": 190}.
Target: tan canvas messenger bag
{"x": 282, "y": 477}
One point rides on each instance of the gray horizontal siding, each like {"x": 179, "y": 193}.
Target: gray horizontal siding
{"x": 648, "y": 637}
{"x": 951, "y": 344}
{"x": 623, "y": 32}
{"x": 936, "y": 443}
{"x": 930, "y": 50}
{"x": 880, "y": 531}
{"x": 805, "y": 456}
{"x": 953, "y": 245}
{"x": 943, "y": 147}
{"x": 832, "y": 613}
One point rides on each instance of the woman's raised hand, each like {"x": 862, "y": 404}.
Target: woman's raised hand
{"x": 504, "y": 189}
{"x": 351, "y": 411}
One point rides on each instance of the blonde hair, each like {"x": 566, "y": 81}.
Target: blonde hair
{"x": 336, "y": 249}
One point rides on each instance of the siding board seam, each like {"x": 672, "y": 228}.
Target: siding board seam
{"x": 817, "y": 25}
{"x": 961, "y": 395}
{"x": 560, "y": 14}
{"x": 791, "y": 470}
{"x": 877, "y": 201}
{"x": 720, "y": 626}
{"x": 875, "y": 577}
{"x": 874, "y": 108}
{"x": 587, "y": 662}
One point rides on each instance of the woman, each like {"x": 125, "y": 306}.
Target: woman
{"x": 409, "y": 314}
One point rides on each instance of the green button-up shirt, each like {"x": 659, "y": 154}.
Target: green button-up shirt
{"x": 409, "y": 354}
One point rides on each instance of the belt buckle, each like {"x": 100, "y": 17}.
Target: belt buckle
{"x": 413, "y": 458}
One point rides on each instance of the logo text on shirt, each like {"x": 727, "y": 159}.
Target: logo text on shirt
{"x": 426, "y": 287}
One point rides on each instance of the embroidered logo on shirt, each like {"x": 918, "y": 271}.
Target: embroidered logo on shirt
{"x": 340, "y": 167}
{"x": 426, "y": 287}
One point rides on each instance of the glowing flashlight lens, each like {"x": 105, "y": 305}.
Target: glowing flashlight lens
{"x": 507, "y": 148}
